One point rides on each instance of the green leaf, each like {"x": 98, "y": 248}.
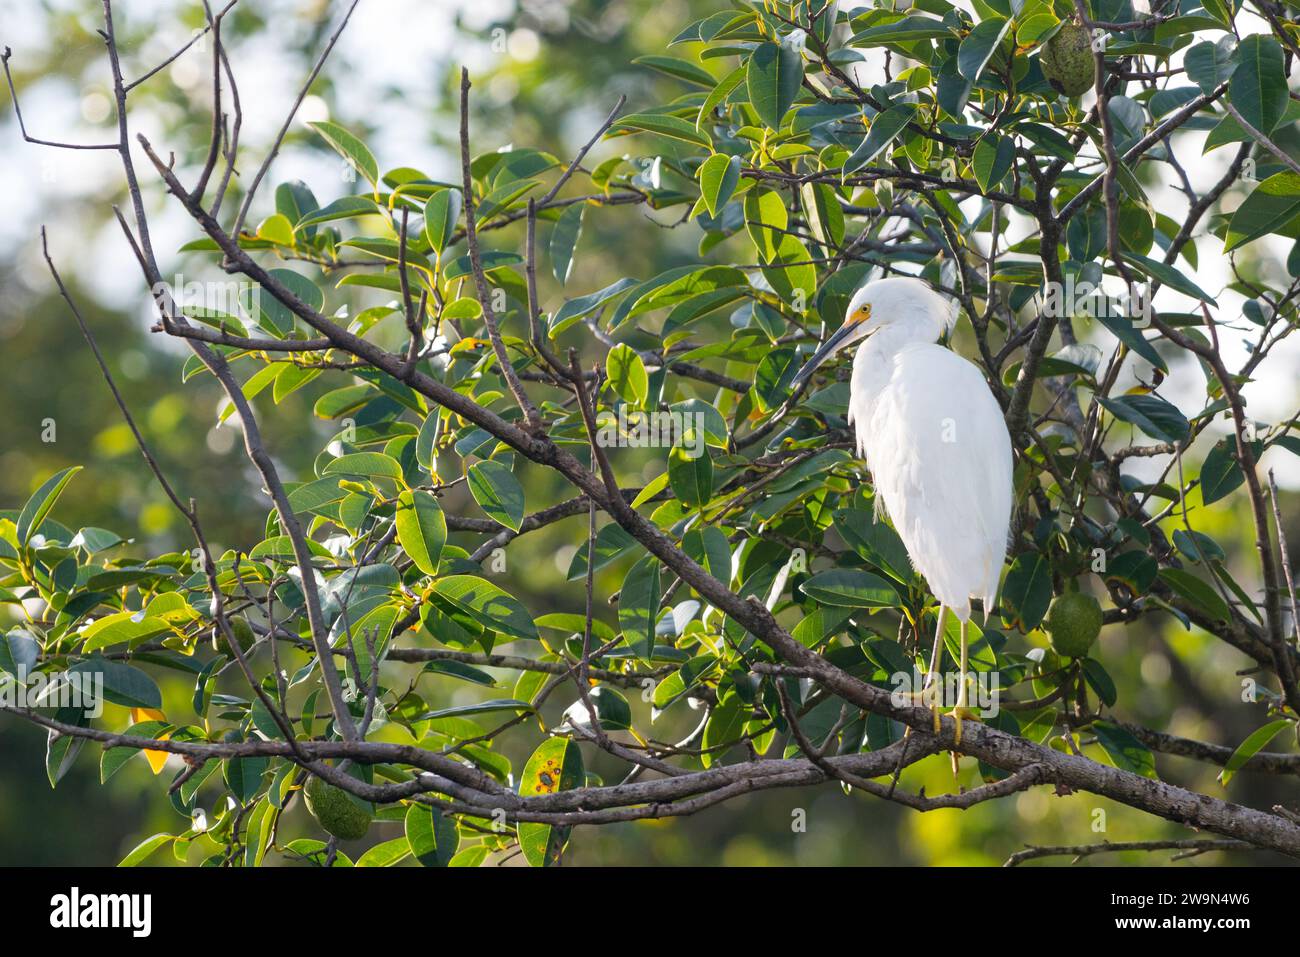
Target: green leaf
{"x": 478, "y": 707}
{"x": 664, "y": 124}
{"x": 432, "y": 838}
{"x": 719, "y": 175}
{"x": 568, "y": 230}
{"x": 129, "y": 627}
{"x": 575, "y": 624}
{"x": 1124, "y": 750}
{"x": 1200, "y": 593}
{"x": 492, "y": 260}
{"x": 1270, "y": 207}
{"x": 276, "y": 229}
{"x": 652, "y": 488}
{"x": 697, "y": 410}
{"x": 1135, "y": 570}
{"x": 488, "y": 605}
{"x": 472, "y": 856}
{"x": 850, "y": 588}
{"x": 774, "y": 75}
{"x": 718, "y": 94}
{"x": 708, "y": 546}
{"x": 876, "y": 542}
{"x": 791, "y": 272}
{"x": 825, "y": 216}
{"x": 1124, "y": 330}
{"x": 884, "y": 128}
{"x": 94, "y": 539}
{"x": 678, "y": 69}
{"x": 441, "y": 213}
{"x": 1258, "y": 86}
{"x": 1209, "y": 63}
{"x": 123, "y": 684}
{"x": 1027, "y": 591}
{"x": 1100, "y": 681}
{"x": 314, "y": 495}
{"x": 765, "y": 217}
{"x": 690, "y": 471}
{"x": 346, "y": 207}
{"x": 365, "y": 465}
{"x": 497, "y": 492}
{"x": 421, "y": 528}
{"x": 979, "y": 46}
{"x": 19, "y": 650}
{"x": 290, "y": 380}
{"x": 555, "y": 766}
{"x": 575, "y": 309}
{"x": 503, "y": 199}
{"x": 627, "y": 375}
{"x": 726, "y": 724}
{"x": 993, "y": 158}
{"x": 1168, "y": 275}
{"x": 613, "y": 712}
{"x": 1198, "y": 546}
{"x": 1154, "y": 416}
{"x": 350, "y": 148}
{"x": 1250, "y": 747}
{"x": 295, "y": 200}
{"x": 61, "y": 750}
{"x": 1221, "y": 473}
{"x": 458, "y": 669}
{"x": 257, "y": 833}
{"x": 904, "y": 31}
{"x": 638, "y": 606}
{"x": 146, "y": 847}
{"x": 386, "y": 854}
{"x": 244, "y": 776}
{"x": 41, "y": 502}
{"x": 611, "y": 542}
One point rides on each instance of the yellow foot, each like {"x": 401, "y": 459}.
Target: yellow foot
{"x": 958, "y": 715}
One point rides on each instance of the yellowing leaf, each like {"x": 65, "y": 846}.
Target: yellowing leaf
{"x": 156, "y": 759}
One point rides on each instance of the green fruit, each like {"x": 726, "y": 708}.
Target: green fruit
{"x": 1067, "y": 60}
{"x": 243, "y": 633}
{"x": 335, "y": 811}
{"x": 1073, "y": 621}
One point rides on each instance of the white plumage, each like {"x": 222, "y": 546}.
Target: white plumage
{"x": 937, "y": 447}
{"x": 934, "y": 439}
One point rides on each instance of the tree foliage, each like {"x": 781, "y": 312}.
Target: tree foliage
{"x": 763, "y": 603}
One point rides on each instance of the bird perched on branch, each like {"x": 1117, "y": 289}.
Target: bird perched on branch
{"x": 935, "y": 441}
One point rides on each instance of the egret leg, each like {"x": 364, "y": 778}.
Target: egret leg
{"x": 961, "y": 693}
{"x": 934, "y": 663}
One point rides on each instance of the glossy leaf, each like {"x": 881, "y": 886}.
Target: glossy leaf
{"x": 555, "y": 766}
{"x": 497, "y": 492}
{"x": 719, "y": 175}
{"x": 421, "y": 528}
{"x": 42, "y": 501}
{"x": 350, "y": 148}
{"x": 774, "y": 74}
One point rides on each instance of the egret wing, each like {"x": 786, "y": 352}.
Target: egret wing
{"x": 940, "y": 457}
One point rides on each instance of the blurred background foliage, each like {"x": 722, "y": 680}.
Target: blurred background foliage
{"x": 546, "y": 72}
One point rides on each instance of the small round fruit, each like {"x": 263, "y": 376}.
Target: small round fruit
{"x": 243, "y": 632}
{"x": 1073, "y": 622}
{"x": 335, "y": 811}
{"x": 1067, "y": 60}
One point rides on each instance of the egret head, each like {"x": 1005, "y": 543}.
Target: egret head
{"x": 899, "y": 303}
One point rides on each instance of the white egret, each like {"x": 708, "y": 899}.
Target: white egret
{"x": 936, "y": 444}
